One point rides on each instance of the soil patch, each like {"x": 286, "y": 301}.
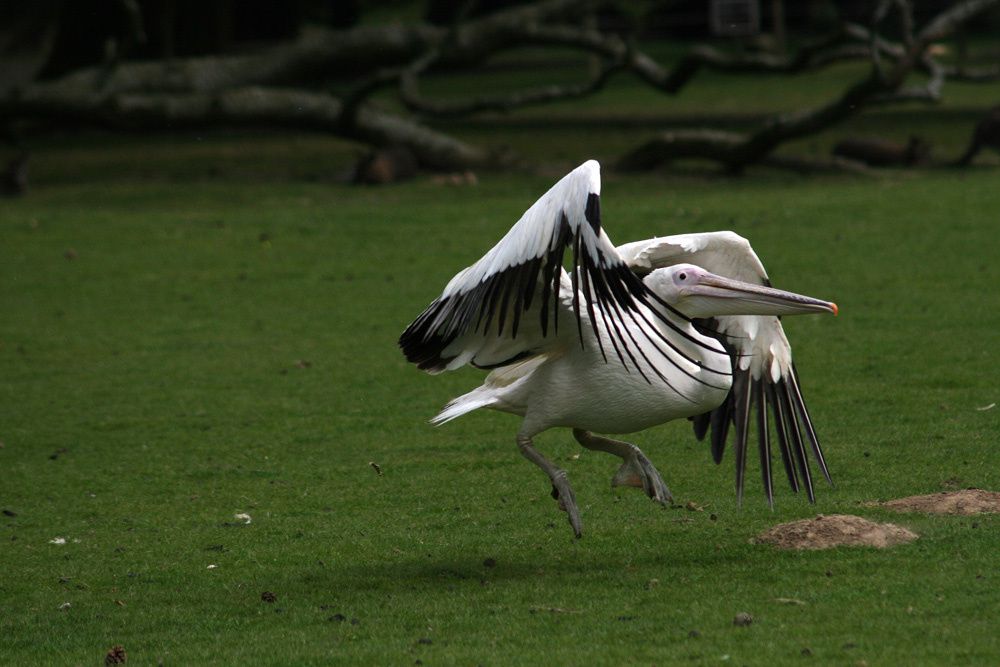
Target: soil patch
{"x": 966, "y": 501}
{"x": 835, "y": 530}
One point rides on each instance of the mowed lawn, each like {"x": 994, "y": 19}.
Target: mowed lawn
{"x": 177, "y": 353}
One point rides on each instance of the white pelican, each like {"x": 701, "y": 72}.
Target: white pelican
{"x": 628, "y": 338}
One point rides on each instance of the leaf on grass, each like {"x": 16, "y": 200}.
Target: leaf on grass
{"x": 790, "y": 601}
{"x": 555, "y": 610}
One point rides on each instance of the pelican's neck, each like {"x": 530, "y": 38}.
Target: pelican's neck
{"x": 704, "y": 350}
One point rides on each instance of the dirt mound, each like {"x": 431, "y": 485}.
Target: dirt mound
{"x": 835, "y": 530}
{"x": 966, "y": 501}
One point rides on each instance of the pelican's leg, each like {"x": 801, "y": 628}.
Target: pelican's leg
{"x": 561, "y": 490}
{"x": 637, "y": 470}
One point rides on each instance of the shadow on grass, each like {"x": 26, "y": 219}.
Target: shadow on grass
{"x": 571, "y": 565}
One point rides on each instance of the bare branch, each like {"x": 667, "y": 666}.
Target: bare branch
{"x": 714, "y": 145}
{"x": 318, "y": 53}
{"x": 353, "y": 100}
{"x": 982, "y": 74}
{"x": 136, "y": 30}
{"x": 947, "y": 21}
{"x": 256, "y": 87}
{"x": 409, "y": 93}
{"x": 718, "y": 146}
{"x": 880, "y": 86}
{"x": 528, "y": 29}
{"x": 252, "y": 105}
{"x": 617, "y": 55}
{"x": 253, "y": 88}
{"x": 850, "y": 42}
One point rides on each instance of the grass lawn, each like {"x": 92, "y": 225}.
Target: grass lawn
{"x": 175, "y": 351}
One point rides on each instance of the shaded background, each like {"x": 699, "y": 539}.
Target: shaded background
{"x": 445, "y": 87}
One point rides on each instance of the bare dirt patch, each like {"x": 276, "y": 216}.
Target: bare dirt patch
{"x": 965, "y": 502}
{"x": 835, "y": 530}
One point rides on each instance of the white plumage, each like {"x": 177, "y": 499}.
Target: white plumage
{"x": 625, "y": 339}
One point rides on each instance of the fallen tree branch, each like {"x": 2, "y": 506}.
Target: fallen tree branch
{"x": 409, "y": 94}
{"x": 616, "y": 55}
{"x": 717, "y": 145}
{"x": 256, "y": 87}
{"x": 882, "y": 84}
{"x": 709, "y": 144}
{"x": 253, "y": 105}
{"x": 849, "y": 42}
{"x": 980, "y": 74}
{"x": 317, "y": 54}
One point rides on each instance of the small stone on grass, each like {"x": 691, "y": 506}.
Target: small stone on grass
{"x": 115, "y": 655}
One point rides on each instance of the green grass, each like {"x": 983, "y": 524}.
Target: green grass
{"x": 150, "y": 390}
{"x": 195, "y": 327}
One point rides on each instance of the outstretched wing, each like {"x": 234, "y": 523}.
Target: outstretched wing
{"x": 764, "y": 376}
{"x": 507, "y": 305}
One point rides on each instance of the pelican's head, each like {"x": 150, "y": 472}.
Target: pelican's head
{"x": 699, "y": 293}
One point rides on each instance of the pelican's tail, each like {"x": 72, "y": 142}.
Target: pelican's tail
{"x": 480, "y": 397}
{"x": 500, "y": 391}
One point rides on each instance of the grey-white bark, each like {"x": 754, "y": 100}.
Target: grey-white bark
{"x": 284, "y": 85}
{"x": 892, "y": 64}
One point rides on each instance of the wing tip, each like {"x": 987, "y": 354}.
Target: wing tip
{"x": 423, "y": 349}
{"x": 591, "y": 169}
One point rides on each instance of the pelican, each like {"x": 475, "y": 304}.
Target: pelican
{"x": 626, "y": 338}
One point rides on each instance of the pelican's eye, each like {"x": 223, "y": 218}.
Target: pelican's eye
{"x": 682, "y": 276}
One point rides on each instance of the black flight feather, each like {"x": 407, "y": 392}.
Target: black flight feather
{"x": 778, "y": 413}
{"x": 792, "y": 425}
{"x": 763, "y": 440}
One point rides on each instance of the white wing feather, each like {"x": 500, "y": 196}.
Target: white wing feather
{"x": 507, "y": 305}
{"x": 534, "y": 234}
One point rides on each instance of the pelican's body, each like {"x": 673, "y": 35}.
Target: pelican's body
{"x": 574, "y": 386}
{"x": 628, "y": 338}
